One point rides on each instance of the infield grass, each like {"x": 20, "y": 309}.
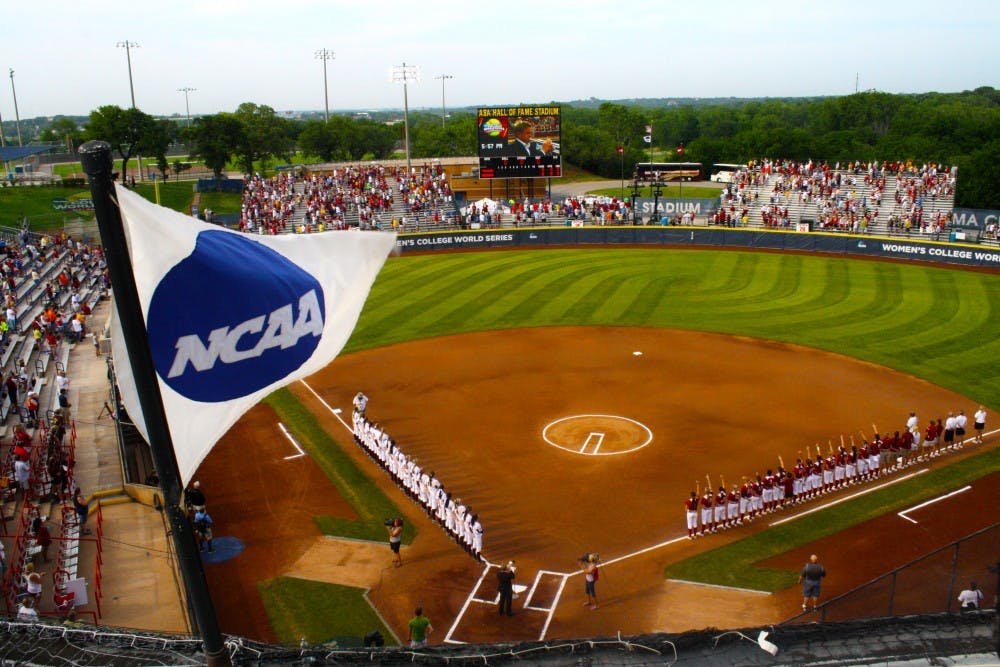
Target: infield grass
{"x": 319, "y": 612}
{"x": 371, "y": 505}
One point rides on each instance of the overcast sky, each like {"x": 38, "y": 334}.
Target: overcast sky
{"x": 66, "y": 60}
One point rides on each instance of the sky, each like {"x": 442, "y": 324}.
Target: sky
{"x": 67, "y": 59}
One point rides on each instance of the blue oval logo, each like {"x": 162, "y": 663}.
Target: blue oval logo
{"x": 232, "y": 318}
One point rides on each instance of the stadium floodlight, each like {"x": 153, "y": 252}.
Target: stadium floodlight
{"x": 17, "y": 115}
{"x": 128, "y": 46}
{"x": 443, "y": 77}
{"x": 324, "y": 55}
{"x": 187, "y": 105}
{"x": 404, "y": 74}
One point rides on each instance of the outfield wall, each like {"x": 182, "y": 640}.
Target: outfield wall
{"x": 838, "y": 244}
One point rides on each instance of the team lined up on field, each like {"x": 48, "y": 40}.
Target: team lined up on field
{"x": 424, "y": 488}
{"x": 711, "y": 511}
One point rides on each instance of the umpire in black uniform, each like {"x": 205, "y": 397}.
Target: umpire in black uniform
{"x": 505, "y": 584}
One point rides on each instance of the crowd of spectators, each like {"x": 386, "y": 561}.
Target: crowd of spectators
{"x": 359, "y": 196}
{"x": 422, "y": 486}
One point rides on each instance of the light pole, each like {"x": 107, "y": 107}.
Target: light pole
{"x": 324, "y": 55}
{"x": 187, "y": 105}
{"x": 17, "y": 116}
{"x": 404, "y": 74}
{"x": 443, "y": 78}
{"x": 128, "y": 46}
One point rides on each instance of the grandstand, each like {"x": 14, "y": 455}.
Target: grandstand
{"x": 49, "y": 281}
{"x": 892, "y": 198}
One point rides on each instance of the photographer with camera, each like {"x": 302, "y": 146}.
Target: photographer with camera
{"x": 395, "y": 529}
{"x": 590, "y": 576}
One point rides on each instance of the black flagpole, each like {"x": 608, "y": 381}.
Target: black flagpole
{"x": 97, "y": 163}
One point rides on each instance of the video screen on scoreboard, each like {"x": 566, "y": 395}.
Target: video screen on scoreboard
{"x": 519, "y": 142}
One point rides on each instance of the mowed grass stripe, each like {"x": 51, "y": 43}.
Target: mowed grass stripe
{"x": 517, "y": 291}
{"x": 934, "y": 323}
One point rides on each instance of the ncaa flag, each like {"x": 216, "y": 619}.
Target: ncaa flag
{"x": 649, "y": 129}
{"x": 231, "y": 317}
{"x": 648, "y": 139}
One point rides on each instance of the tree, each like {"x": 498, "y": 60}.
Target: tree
{"x": 265, "y": 135}
{"x": 319, "y": 138}
{"x": 63, "y": 130}
{"x": 130, "y": 132}
{"x": 215, "y": 139}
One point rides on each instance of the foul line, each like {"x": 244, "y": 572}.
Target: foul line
{"x": 846, "y": 498}
{"x": 291, "y": 440}
{"x": 334, "y": 411}
{"x": 930, "y": 502}
{"x": 725, "y": 588}
{"x": 461, "y": 612}
{"x": 552, "y": 611}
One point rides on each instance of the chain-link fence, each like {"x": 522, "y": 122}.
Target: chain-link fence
{"x": 928, "y": 585}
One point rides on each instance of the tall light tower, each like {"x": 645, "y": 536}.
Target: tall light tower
{"x": 187, "y": 105}
{"x": 17, "y": 116}
{"x": 443, "y": 78}
{"x": 128, "y": 46}
{"x": 324, "y": 55}
{"x": 404, "y": 74}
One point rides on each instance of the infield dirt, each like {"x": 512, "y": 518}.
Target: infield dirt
{"x": 473, "y": 408}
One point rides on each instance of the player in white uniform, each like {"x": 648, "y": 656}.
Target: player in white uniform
{"x": 360, "y": 403}
{"x": 961, "y": 421}
{"x": 979, "y": 423}
{"x": 912, "y": 422}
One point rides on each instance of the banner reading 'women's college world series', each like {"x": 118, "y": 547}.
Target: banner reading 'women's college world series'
{"x": 232, "y": 317}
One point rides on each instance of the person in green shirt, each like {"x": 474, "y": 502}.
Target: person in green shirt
{"x": 420, "y": 627}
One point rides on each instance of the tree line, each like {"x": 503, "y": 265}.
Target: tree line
{"x": 960, "y": 129}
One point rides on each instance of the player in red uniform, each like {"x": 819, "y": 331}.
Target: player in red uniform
{"x": 691, "y": 514}
{"x": 733, "y": 508}
{"x": 706, "y": 512}
{"x": 719, "y": 520}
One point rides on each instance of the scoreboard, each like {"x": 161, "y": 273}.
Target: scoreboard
{"x": 519, "y": 142}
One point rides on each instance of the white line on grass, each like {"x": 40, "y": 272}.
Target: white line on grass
{"x": 930, "y": 502}
{"x": 846, "y": 498}
{"x": 725, "y": 588}
{"x": 291, "y": 439}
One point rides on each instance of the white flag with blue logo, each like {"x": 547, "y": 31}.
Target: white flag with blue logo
{"x": 233, "y": 317}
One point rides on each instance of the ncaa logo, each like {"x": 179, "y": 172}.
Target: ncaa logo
{"x": 232, "y": 318}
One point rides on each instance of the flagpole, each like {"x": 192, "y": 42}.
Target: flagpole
{"x": 97, "y": 163}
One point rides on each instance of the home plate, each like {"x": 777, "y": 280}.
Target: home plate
{"x": 518, "y": 589}
{"x": 637, "y": 353}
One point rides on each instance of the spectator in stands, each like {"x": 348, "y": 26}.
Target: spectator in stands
{"x": 82, "y": 510}
{"x": 31, "y": 404}
{"x": 26, "y": 610}
{"x": 62, "y": 382}
{"x": 22, "y": 474}
{"x": 10, "y": 386}
{"x": 58, "y": 467}
{"x": 32, "y": 582}
{"x": 42, "y": 537}
{"x": 64, "y": 404}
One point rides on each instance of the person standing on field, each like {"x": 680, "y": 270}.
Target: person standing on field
{"x": 979, "y": 423}
{"x": 811, "y": 577}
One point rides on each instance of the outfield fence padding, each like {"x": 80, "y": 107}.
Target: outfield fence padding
{"x": 909, "y": 248}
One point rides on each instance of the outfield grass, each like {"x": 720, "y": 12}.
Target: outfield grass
{"x": 221, "y": 202}
{"x": 318, "y": 611}
{"x": 176, "y": 195}
{"x": 371, "y": 505}
{"x": 36, "y": 204}
{"x": 936, "y": 323}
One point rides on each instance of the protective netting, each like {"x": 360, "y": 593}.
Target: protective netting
{"x": 851, "y": 642}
